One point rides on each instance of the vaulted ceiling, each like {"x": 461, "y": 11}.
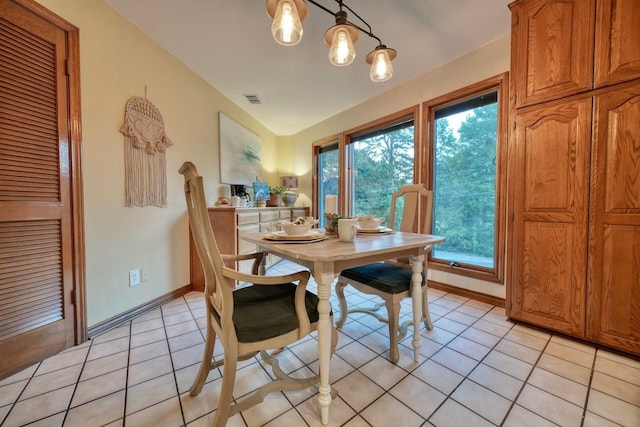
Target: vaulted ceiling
{"x": 229, "y": 44}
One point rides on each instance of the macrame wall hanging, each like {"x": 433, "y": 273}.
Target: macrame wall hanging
{"x": 145, "y": 144}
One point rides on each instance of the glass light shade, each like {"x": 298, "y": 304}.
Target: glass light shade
{"x": 381, "y": 68}
{"x": 287, "y": 27}
{"x": 341, "y": 52}
{"x": 380, "y": 60}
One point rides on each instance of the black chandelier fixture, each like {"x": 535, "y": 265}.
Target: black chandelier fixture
{"x": 287, "y": 16}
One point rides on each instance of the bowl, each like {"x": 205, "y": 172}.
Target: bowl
{"x": 368, "y": 222}
{"x": 300, "y": 226}
{"x": 295, "y": 229}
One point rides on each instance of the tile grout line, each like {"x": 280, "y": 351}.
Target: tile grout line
{"x": 410, "y": 373}
{"x": 479, "y": 362}
{"x": 586, "y": 399}
{"x": 20, "y": 394}
{"x": 524, "y": 384}
{"x": 75, "y": 388}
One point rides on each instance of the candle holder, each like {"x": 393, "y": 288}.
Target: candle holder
{"x": 331, "y": 223}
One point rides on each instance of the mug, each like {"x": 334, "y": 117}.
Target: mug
{"x": 347, "y": 229}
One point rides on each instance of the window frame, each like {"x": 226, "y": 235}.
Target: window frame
{"x": 317, "y": 148}
{"x": 497, "y": 83}
{"x": 411, "y": 113}
{"x": 345, "y": 164}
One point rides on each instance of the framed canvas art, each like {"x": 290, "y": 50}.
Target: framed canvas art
{"x": 239, "y": 152}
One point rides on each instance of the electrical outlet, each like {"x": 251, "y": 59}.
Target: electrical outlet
{"x": 429, "y": 275}
{"x": 134, "y": 277}
{"x": 145, "y": 274}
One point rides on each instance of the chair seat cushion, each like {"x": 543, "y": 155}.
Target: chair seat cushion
{"x": 266, "y": 311}
{"x": 386, "y": 278}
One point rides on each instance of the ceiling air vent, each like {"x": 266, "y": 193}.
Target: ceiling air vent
{"x": 253, "y": 99}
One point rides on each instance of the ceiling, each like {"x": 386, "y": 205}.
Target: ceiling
{"x": 229, "y": 44}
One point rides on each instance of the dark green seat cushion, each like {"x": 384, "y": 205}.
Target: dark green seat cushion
{"x": 384, "y": 277}
{"x": 266, "y": 311}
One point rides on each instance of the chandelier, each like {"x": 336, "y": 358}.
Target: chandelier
{"x": 287, "y": 16}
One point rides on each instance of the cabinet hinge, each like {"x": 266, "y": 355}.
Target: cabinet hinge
{"x": 67, "y": 67}
{"x": 510, "y": 305}
{"x": 513, "y": 216}
{"x": 73, "y": 296}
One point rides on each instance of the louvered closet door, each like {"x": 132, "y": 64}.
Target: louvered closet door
{"x": 36, "y": 268}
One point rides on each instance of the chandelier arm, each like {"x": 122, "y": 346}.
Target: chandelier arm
{"x": 368, "y": 32}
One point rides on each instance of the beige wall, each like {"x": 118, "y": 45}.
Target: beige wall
{"x": 487, "y": 61}
{"x": 117, "y": 62}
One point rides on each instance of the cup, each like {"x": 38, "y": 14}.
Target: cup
{"x": 347, "y": 229}
{"x": 235, "y": 201}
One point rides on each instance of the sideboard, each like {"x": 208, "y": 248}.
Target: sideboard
{"x": 229, "y": 224}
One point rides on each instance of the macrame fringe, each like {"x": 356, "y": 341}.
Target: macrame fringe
{"x": 145, "y": 145}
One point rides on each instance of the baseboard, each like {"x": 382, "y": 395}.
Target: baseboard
{"x": 126, "y": 316}
{"x": 478, "y": 296}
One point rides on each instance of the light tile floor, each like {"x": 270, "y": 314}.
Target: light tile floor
{"x": 475, "y": 369}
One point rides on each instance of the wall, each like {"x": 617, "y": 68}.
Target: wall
{"x": 117, "y": 62}
{"x": 487, "y": 61}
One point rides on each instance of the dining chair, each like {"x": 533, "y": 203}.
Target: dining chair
{"x": 391, "y": 280}
{"x": 263, "y": 315}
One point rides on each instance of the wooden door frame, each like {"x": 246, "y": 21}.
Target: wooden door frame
{"x": 75, "y": 157}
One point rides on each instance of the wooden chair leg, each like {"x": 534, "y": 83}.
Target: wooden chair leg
{"x": 426, "y": 316}
{"x": 393, "y": 314}
{"x": 206, "y": 365}
{"x": 343, "y": 303}
{"x": 226, "y": 391}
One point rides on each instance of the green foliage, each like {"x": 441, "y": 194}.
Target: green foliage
{"x": 464, "y": 209}
{"x": 277, "y": 190}
{"x": 383, "y": 163}
{"x": 465, "y": 166}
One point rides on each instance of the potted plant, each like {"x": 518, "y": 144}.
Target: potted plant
{"x": 275, "y": 194}
{"x": 331, "y": 222}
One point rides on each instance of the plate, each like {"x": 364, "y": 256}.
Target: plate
{"x": 375, "y": 230}
{"x": 310, "y": 236}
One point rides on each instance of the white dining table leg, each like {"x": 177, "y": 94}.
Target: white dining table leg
{"x": 324, "y": 280}
{"x": 416, "y": 300}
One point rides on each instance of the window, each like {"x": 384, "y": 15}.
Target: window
{"x": 382, "y": 160}
{"x": 466, "y": 156}
{"x": 365, "y": 165}
{"x": 327, "y": 158}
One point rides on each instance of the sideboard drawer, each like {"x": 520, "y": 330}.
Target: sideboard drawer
{"x": 245, "y": 247}
{"x": 248, "y": 217}
{"x": 269, "y": 215}
{"x": 229, "y": 224}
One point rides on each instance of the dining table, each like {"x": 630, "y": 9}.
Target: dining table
{"x": 326, "y": 256}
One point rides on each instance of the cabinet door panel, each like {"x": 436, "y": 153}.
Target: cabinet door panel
{"x": 546, "y": 296}
{"x": 552, "y": 52}
{"x": 617, "y": 41}
{"x": 614, "y": 249}
{"x": 550, "y": 196}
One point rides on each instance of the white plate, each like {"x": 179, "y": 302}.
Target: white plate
{"x": 375, "y": 230}
{"x": 281, "y": 235}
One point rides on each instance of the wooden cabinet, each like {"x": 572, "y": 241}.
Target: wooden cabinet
{"x": 566, "y": 47}
{"x": 613, "y": 298}
{"x": 617, "y": 57}
{"x": 229, "y": 224}
{"x": 551, "y": 60}
{"x": 551, "y": 175}
{"x": 574, "y": 169}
